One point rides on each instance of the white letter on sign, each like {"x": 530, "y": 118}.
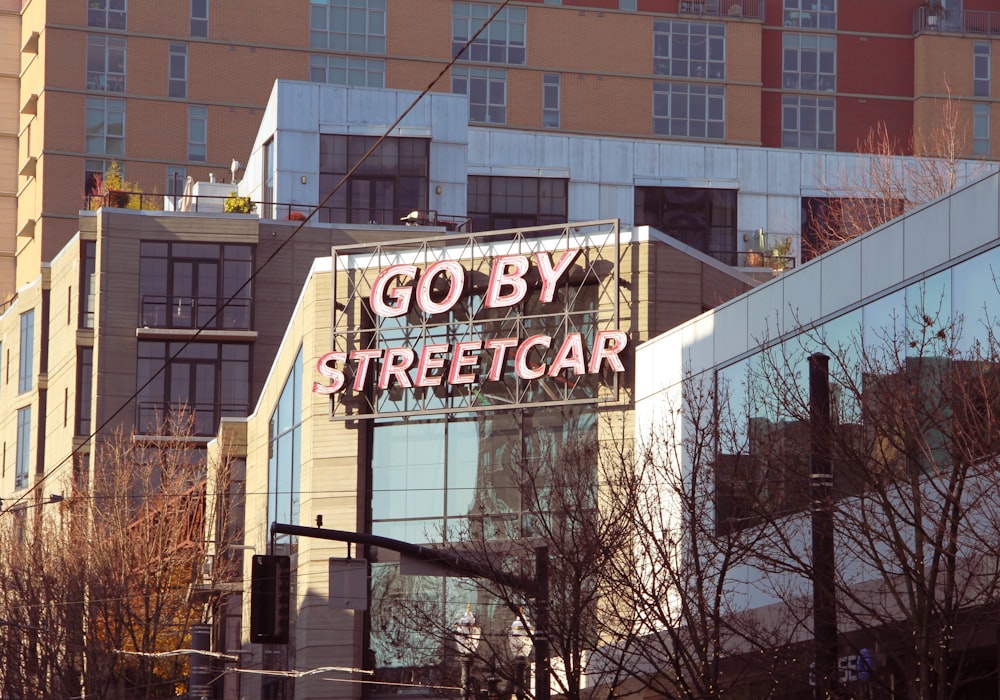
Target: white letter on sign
{"x": 455, "y": 289}
{"x": 550, "y": 275}
{"x": 499, "y": 278}
{"x": 401, "y": 295}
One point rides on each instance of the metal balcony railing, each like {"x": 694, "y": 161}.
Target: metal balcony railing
{"x": 970, "y": 22}
{"x": 750, "y": 9}
{"x": 158, "y": 311}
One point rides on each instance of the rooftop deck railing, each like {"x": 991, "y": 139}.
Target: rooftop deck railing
{"x": 750, "y": 9}
{"x": 969, "y": 22}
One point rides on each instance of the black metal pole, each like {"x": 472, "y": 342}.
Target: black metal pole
{"x": 823, "y": 571}
{"x": 542, "y": 671}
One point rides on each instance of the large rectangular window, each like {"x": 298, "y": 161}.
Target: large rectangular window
{"x": 27, "y": 352}
{"x": 105, "y": 129}
{"x": 703, "y": 218}
{"x": 199, "y": 18}
{"x": 981, "y": 129}
{"x": 84, "y": 388}
{"x": 197, "y": 133}
{"x": 487, "y": 91}
{"x": 347, "y": 25}
{"x": 814, "y": 14}
{"x": 682, "y": 109}
{"x": 389, "y": 185}
{"x": 981, "y": 69}
{"x": 23, "y": 456}
{"x": 88, "y": 283}
{"x": 514, "y": 202}
{"x": 347, "y": 70}
{"x": 177, "y": 67}
{"x": 808, "y": 122}
{"x": 108, "y": 14}
{"x": 550, "y": 100}
{"x": 284, "y": 450}
{"x": 504, "y": 41}
{"x": 206, "y": 380}
{"x": 685, "y": 49}
{"x": 106, "y": 62}
{"x": 183, "y": 285}
{"x": 809, "y": 62}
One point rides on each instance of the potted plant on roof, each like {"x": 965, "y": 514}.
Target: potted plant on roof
{"x": 780, "y": 253}
{"x": 236, "y": 204}
{"x": 755, "y": 256}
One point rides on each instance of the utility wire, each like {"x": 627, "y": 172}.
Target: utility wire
{"x": 281, "y": 246}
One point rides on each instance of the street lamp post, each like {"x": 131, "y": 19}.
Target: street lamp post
{"x": 467, "y": 634}
{"x": 521, "y": 645}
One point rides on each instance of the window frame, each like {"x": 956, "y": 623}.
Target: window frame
{"x": 502, "y": 202}
{"x": 348, "y": 25}
{"x": 106, "y": 45}
{"x": 99, "y": 131}
{"x": 26, "y": 356}
{"x": 981, "y": 129}
{"x": 504, "y": 41}
{"x": 796, "y": 49}
{"x": 100, "y": 13}
{"x": 981, "y": 69}
{"x": 22, "y": 459}
{"x": 672, "y": 37}
{"x": 470, "y": 80}
{"x": 551, "y": 100}
{"x": 197, "y": 150}
{"x": 709, "y": 98}
{"x": 799, "y": 103}
{"x": 199, "y": 22}
{"x": 177, "y": 58}
{"x": 796, "y": 14}
{"x": 338, "y": 70}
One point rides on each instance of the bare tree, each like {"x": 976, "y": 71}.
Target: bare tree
{"x": 93, "y": 594}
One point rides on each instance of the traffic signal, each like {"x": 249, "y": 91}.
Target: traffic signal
{"x": 270, "y": 598}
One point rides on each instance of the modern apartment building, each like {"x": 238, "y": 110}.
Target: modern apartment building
{"x": 174, "y": 92}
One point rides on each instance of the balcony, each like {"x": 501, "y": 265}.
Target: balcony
{"x": 157, "y": 311}
{"x": 749, "y": 9}
{"x": 967, "y": 22}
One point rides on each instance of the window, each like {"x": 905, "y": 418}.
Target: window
{"x": 347, "y": 25}
{"x": 514, "y": 202}
{"x": 681, "y": 109}
{"x": 689, "y": 49}
{"x": 347, "y": 70}
{"x": 487, "y": 91}
{"x": 105, "y": 126}
{"x": 550, "y": 100}
{"x": 93, "y": 176}
{"x": 88, "y": 283}
{"x": 177, "y": 66}
{"x": 197, "y": 133}
{"x": 981, "y": 129}
{"x": 106, "y": 63}
{"x": 818, "y": 14}
{"x": 392, "y": 182}
{"x": 199, "y": 17}
{"x": 703, "y": 218}
{"x": 84, "y": 388}
{"x": 209, "y": 380}
{"x": 626, "y": 4}
{"x": 284, "y": 450}
{"x": 27, "y": 356}
{"x": 176, "y": 176}
{"x": 109, "y": 14}
{"x": 809, "y": 62}
{"x": 981, "y": 69}
{"x": 183, "y": 285}
{"x": 267, "y": 194}
{"x": 808, "y": 122}
{"x": 503, "y": 41}
{"x": 23, "y": 457}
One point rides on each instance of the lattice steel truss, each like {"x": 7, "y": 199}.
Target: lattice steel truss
{"x": 587, "y": 300}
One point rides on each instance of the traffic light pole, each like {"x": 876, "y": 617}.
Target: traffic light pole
{"x": 537, "y": 587}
